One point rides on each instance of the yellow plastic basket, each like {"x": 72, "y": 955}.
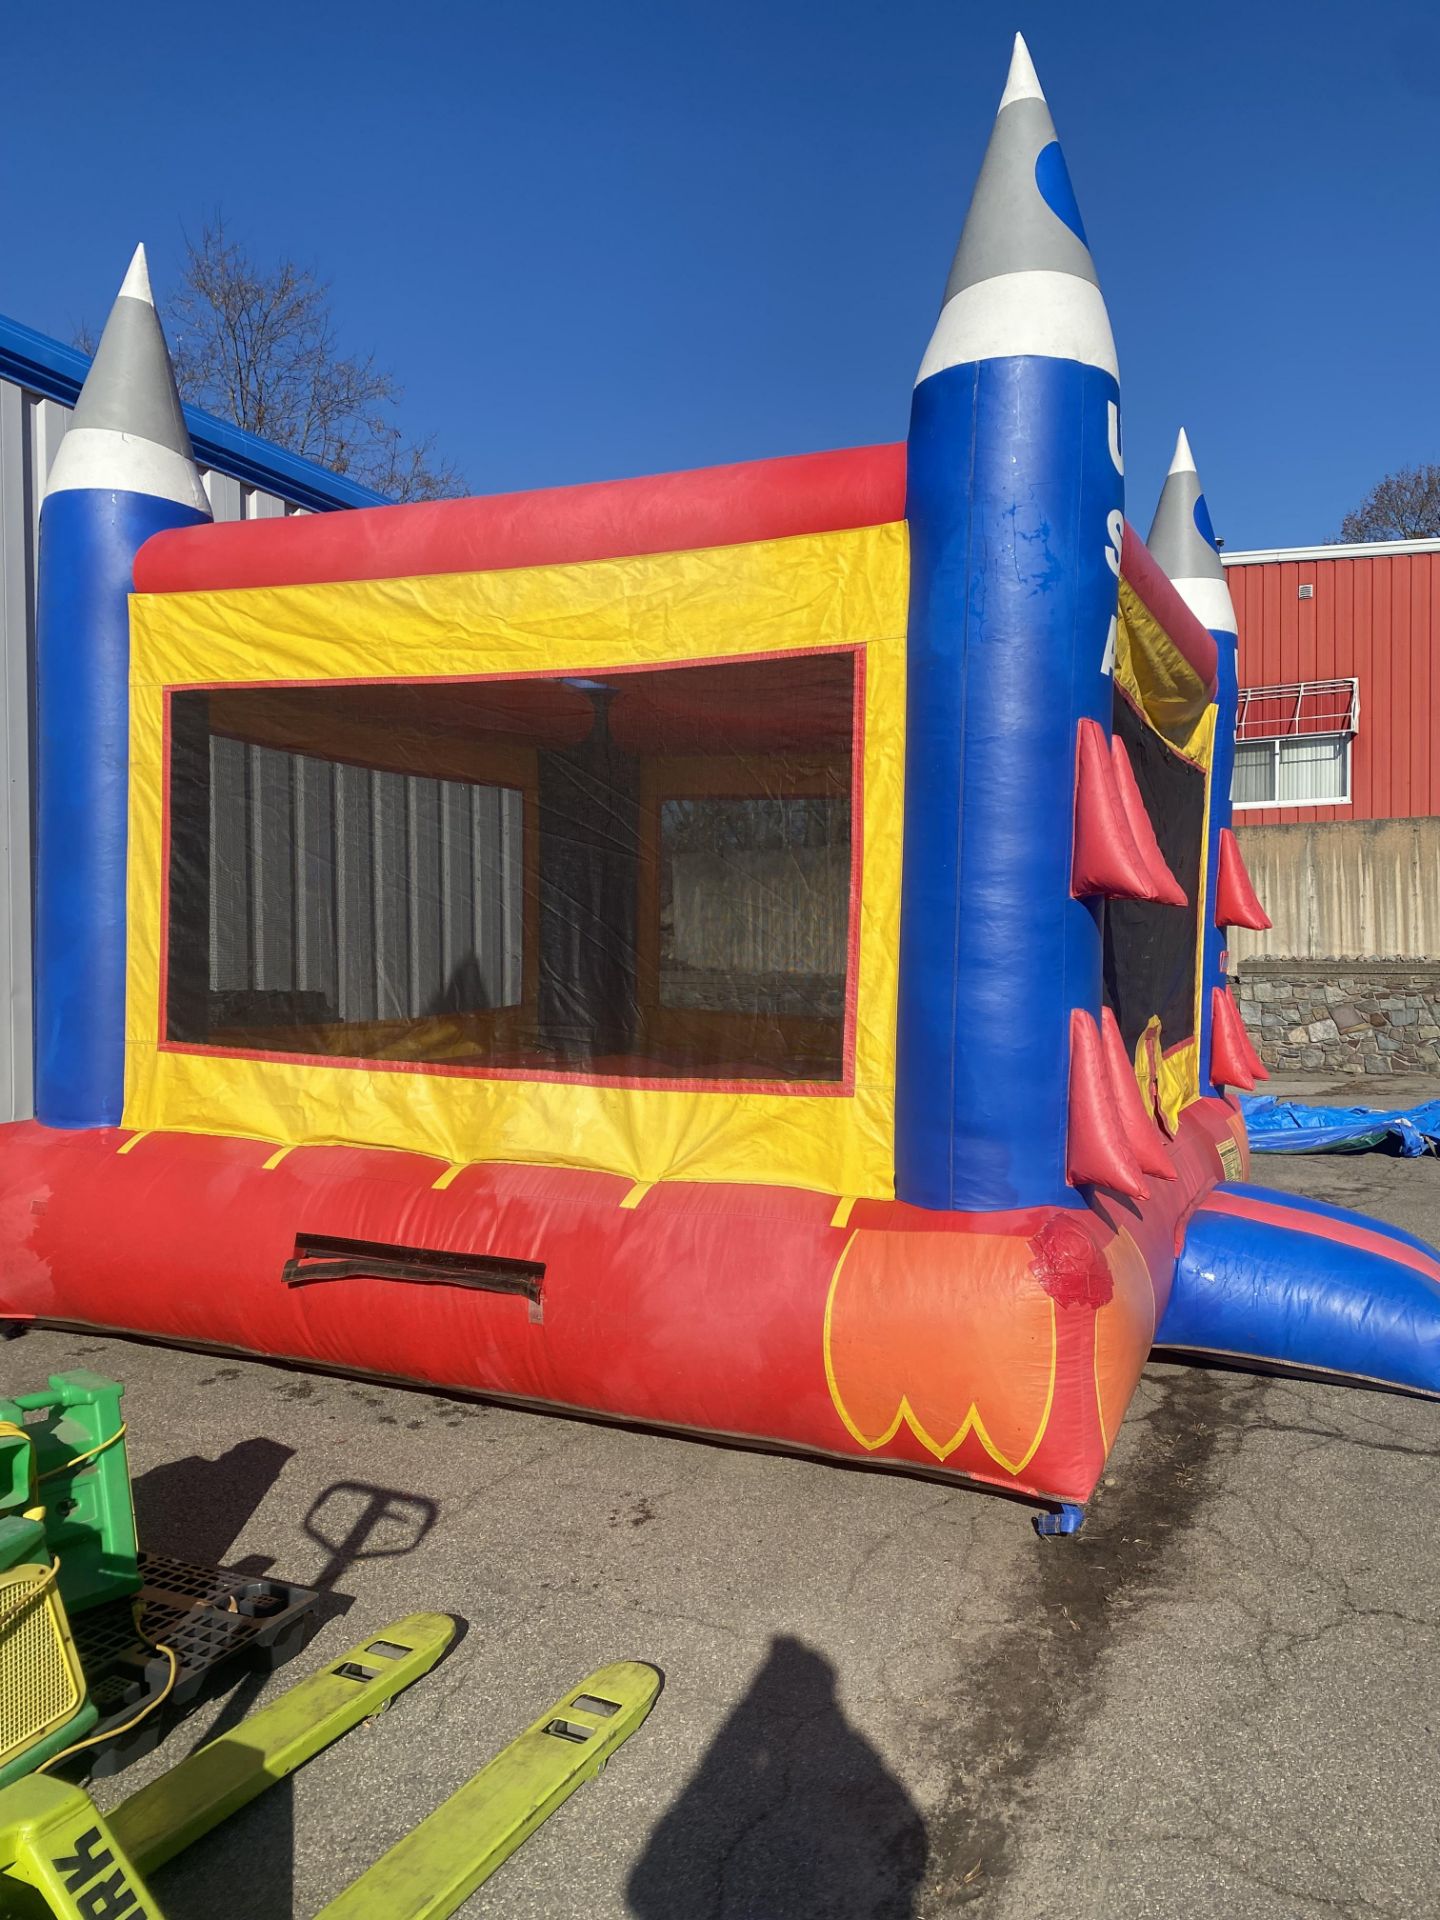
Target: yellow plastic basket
{"x": 42, "y": 1687}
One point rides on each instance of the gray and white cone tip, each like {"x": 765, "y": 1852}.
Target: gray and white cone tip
{"x": 1182, "y": 544}
{"x": 1023, "y": 281}
{"x": 1182, "y": 460}
{"x": 127, "y": 433}
{"x": 136, "y": 284}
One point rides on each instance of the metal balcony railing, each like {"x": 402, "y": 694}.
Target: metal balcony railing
{"x": 1302, "y": 707}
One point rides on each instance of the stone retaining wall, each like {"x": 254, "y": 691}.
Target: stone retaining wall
{"x": 1343, "y": 1016}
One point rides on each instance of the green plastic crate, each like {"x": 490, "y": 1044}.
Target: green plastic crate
{"x": 75, "y": 1428}
{"x": 17, "y": 1468}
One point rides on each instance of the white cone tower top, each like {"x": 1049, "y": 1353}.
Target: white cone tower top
{"x": 127, "y": 433}
{"x": 136, "y": 284}
{"x": 1183, "y": 460}
{"x": 1023, "y": 281}
{"x": 1182, "y": 542}
{"x": 1022, "y": 82}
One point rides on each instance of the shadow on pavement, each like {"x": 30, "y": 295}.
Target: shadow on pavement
{"x": 354, "y": 1521}
{"x": 790, "y": 1812}
{"x": 196, "y": 1509}
{"x": 254, "y": 1854}
{"x": 250, "y": 1872}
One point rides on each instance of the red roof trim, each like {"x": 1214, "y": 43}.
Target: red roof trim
{"x": 663, "y": 513}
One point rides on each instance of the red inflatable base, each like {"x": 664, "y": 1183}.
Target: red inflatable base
{"x": 999, "y": 1348}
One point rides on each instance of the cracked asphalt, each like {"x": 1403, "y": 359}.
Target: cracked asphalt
{"x": 883, "y": 1698}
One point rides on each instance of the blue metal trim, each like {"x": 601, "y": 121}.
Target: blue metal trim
{"x": 58, "y": 372}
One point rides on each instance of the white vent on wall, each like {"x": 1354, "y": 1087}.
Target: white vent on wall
{"x": 1307, "y": 592}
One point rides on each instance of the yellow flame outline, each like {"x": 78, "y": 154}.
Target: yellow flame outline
{"x": 905, "y": 1413}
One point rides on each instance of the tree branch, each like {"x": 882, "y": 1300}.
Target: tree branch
{"x": 260, "y": 347}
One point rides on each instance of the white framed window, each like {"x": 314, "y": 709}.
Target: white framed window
{"x": 1310, "y": 771}
{"x": 1292, "y": 744}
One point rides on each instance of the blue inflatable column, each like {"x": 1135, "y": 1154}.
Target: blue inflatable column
{"x": 1182, "y": 541}
{"x": 124, "y": 471}
{"x": 1015, "y": 510}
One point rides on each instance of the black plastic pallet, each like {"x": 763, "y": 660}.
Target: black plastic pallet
{"x": 217, "y": 1623}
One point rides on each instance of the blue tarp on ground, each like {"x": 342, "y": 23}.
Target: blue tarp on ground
{"x": 1288, "y": 1126}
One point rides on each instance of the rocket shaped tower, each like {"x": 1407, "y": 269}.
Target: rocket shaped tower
{"x": 123, "y": 472}
{"x": 1182, "y": 541}
{"x": 1015, "y": 509}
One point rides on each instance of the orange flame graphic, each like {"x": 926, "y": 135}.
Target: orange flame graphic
{"x": 947, "y": 1334}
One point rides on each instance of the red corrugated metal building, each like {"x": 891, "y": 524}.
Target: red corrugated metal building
{"x": 1339, "y": 652}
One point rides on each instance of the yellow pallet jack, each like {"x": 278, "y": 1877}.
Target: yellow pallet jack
{"x": 60, "y": 1856}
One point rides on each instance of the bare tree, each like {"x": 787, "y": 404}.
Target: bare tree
{"x": 1405, "y": 505}
{"x": 258, "y": 346}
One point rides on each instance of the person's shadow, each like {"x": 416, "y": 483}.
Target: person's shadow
{"x": 790, "y": 1812}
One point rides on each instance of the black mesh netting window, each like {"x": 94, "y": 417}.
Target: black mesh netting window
{"x": 1150, "y": 950}
{"x": 646, "y": 875}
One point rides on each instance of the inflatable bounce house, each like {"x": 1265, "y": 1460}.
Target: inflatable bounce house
{"x": 740, "y": 952}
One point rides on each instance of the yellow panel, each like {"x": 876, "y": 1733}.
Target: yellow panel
{"x": 1163, "y": 686}
{"x": 1179, "y": 1079}
{"x": 1153, "y": 669}
{"x": 835, "y": 589}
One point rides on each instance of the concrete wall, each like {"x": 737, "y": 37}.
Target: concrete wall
{"x": 1348, "y": 979}
{"x": 1366, "y": 889}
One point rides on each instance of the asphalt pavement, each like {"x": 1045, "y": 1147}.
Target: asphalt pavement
{"x": 883, "y": 1697}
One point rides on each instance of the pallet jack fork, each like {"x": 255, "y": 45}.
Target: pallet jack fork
{"x": 59, "y": 1855}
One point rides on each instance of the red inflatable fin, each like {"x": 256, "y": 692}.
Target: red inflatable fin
{"x": 1099, "y": 1153}
{"x": 1236, "y": 904}
{"x": 1164, "y": 887}
{"x": 1105, "y": 858}
{"x": 1257, "y": 1065}
{"x": 1233, "y": 1060}
{"x": 1140, "y": 1130}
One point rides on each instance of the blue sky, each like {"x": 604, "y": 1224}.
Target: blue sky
{"x": 605, "y": 239}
